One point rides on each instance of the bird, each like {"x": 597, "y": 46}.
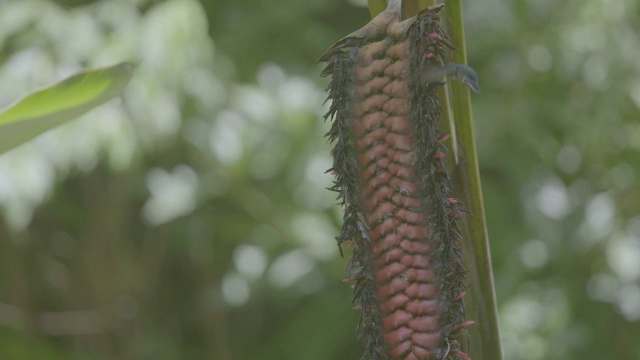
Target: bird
{"x": 463, "y": 73}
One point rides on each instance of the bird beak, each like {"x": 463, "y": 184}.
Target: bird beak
{"x": 475, "y": 88}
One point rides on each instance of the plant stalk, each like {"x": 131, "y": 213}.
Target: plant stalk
{"x": 481, "y": 304}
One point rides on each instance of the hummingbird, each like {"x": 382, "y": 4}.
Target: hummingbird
{"x": 463, "y": 73}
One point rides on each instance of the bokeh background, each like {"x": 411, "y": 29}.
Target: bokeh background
{"x": 189, "y": 219}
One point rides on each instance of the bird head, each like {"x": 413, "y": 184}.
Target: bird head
{"x": 468, "y": 76}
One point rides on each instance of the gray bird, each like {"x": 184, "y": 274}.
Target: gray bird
{"x": 460, "y": 72}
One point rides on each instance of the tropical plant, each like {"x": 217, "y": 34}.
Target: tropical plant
{"x": 385, "y": 114}
{"x": 61, "y": 102}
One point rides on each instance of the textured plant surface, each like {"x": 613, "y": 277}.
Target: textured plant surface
{"x": 399, "y": 215}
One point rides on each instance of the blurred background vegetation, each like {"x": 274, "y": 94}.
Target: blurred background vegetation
{"x": 190, "y": 220}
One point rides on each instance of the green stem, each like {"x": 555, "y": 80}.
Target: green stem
{"x": 481, "y": 304}
{"x": 423, "y": 4}
{"x": 376, "y": 7}
{"x": 409, "y": 8}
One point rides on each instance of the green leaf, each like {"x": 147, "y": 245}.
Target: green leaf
{"x": 61, "y": 102}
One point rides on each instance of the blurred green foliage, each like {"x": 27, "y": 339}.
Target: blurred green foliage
{"x": 190, "y": 219}
{"x": 63, "y": 101}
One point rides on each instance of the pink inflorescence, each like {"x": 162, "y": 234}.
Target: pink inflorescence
{"x": 399, "y": 215}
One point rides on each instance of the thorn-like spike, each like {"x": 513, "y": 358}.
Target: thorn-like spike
{"x": 459, "y": 296}
{"x": 463, "y": 324}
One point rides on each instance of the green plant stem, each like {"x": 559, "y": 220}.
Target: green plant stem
{"x": 409, "y": 8}
{"x": 423, "y": 4}
{"x": 376, "y": 7}
{"x": 481, "y": 302}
